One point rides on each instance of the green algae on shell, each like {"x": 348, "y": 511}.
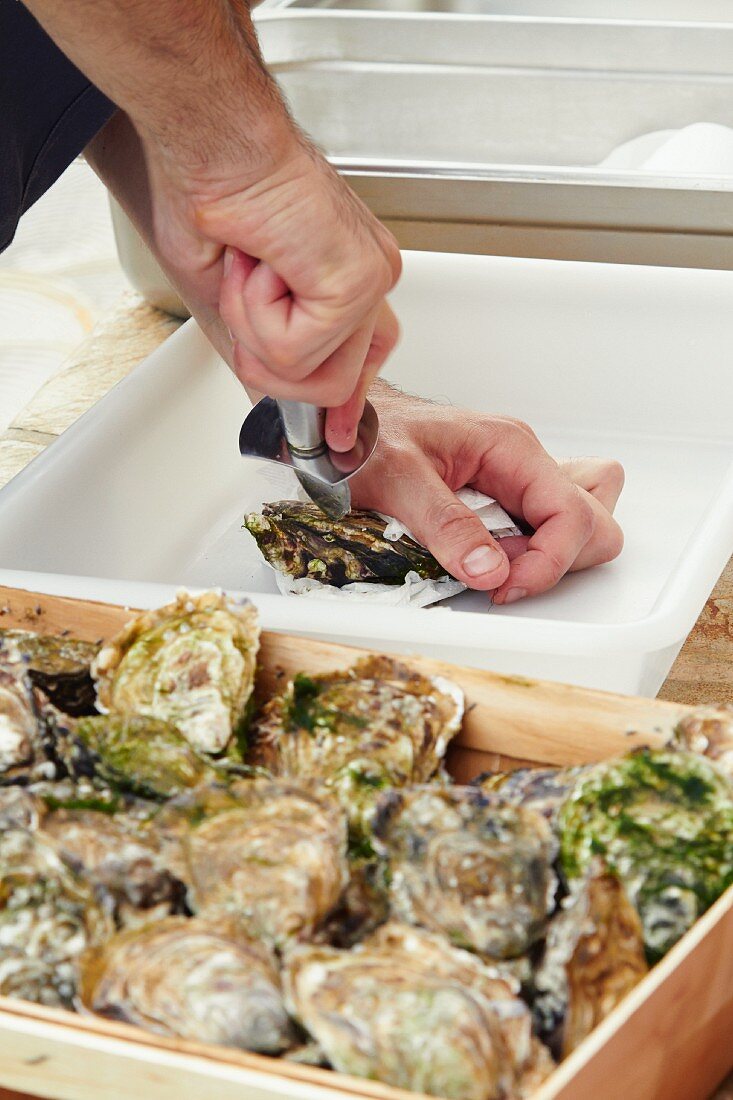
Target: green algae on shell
{"x": 60, "y": 666}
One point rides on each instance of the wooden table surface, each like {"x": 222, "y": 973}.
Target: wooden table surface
{"x": 703, "y": 672}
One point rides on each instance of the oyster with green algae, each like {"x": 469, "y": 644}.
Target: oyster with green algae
{"x": 196, "y": 978}
{"x": 48, "y": 917}
{"x": 120, "y": 858}
{"x": 663, "y": 822}
{"x": 267, "y": 852}
{"x": 300, "y": 541}
{"x": 406, "y": 1008}
{"x": 594, "y": 955}
{"x": 191, "y": 663}
{"x": 59, "y": 665}
{"x": 461, "y": 864}
{"x": 359, "y": 731}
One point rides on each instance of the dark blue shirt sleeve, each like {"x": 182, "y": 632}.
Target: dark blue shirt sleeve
{"x": 49, "y": 112}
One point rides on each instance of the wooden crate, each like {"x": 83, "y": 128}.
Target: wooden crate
{"x": 670, "y": 1039}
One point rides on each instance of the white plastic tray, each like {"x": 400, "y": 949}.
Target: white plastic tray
{"x": 630, "y": 362}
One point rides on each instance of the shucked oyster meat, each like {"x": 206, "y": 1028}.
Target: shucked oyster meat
{"x": 191, "y": 663}
{"x": 48, "y": 916}
{"x": 358, "y": 731}
{"x": 594, "y": 956}
{"x": 269, "y": 853}
{"x": 461, "y": 864}
{"x": 202, "y": 980}
{"x": 406, "y": 1008}
{"x": 300, "y": 541}
{"x": 663, "y": 821}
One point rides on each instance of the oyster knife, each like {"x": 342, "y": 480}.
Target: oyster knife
{"x": 292, "y": 434}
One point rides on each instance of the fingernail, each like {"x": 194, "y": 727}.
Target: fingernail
{"x": 482, "y": 560}
{"x": 228, "y": 260}
{"x": 515, "y": 594}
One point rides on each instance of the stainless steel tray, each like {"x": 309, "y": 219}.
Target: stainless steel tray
{"x": 481, "y": 134}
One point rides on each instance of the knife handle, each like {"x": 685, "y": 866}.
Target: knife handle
{"x": 304, "y": 427}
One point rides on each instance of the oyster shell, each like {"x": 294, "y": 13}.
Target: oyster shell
{"x": 48, "y": 916}
{"x": 191, "y": 663}
{"x": 540, "y": 789}
{"x": 708, "y": 731}
{"x": 269, "y": 853}
{"x": 594, "y": 956}
{"x": 145, "y": 756}
{"x": 299, "y": 540}
{"x": 117, "y": 857}
{"x": 195, "y": 978}
{"x": 21, "y": 731}
{"x": 461, "y": 864}
{"x": 375, "y": 725}
{"x": 408, "y": 1009}
{"x": 59, "y": 666}
{"x": 19, "y": 809}
{"x": 663, "y": 822}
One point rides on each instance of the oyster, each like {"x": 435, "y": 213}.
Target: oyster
{"x": 22, "y": 730}
{"x": 408, "y": 1009}
{"x": 594, "y": 956}
{"x": 195, "y": 978}
{"x": 363, "y": 905}
{"x": 708, "y": 731}
{"x": 663, "y": 822}
{"x": 19, "y": 809}
{"x": 59, "y": 666}
{"x": 461, "y": 864}
{"x": 300, "y": 541}
{"x": 145, "y": 756}
{"x": 269, "y": 853}
{"x": 375, "y": 725}
{"x": 540, "y": 789}
{"x": 48, "y": 916}
{"x": 120, "y": 859}
{"x": 191, "y": 663}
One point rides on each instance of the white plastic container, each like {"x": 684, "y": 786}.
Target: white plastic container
{"x": 629, "y": 362}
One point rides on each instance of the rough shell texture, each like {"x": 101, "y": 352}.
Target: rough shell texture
{"x": 119, "y": 858}
{"x": 21, "y": 731}
{"x": 663, "y": 821}
{"x": 375, "y": 725}
{"x": 300, "y": 541}
{"x": 198, "y": 979}
{"x": 461, "y": 864}
{"x": 709, "y": 731}
{"x": 540, "y": 789}
{"x": 19, "y": 809}
{"x": 59, "y": 666}
{"x": 408, "y": 1009}
{"x": 48, "y": 916}
{"x": 191, "y": 663}
{"x": 270, "y": 853}
{"x": 594, "y": 956}
{"x": 143, "y": 755}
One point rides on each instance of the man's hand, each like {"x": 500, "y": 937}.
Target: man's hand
{"x": 427, "y": 452}
{"x": 234, "y": 185}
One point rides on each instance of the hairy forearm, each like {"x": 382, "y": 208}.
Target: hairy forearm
{"x": 188, "y": 73}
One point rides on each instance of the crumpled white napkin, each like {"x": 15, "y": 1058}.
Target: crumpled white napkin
{"x": 416, "y": 591}
{"x": 703, "y": 149}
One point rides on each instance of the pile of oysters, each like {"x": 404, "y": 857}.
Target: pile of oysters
{"x": 299, "y": 876}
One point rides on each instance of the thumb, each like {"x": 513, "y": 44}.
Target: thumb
{"x": 452, "y": 532}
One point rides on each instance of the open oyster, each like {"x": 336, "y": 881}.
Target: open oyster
{"x": 300, "y": 541}
{"x": 708, "y": 731}
{"x": 191, "y": 663}
{"x": 59, "y": 666}
{"x": 663, "y": 821}
{"x": 48, "y": 916}
{"x": 594, "y": 956}
{"x": 269, "y": 853}
{"x": 408, "y": 1009}
{"x": 117, "y": 857}
{"x": 195, "y": 978}
{"x": 375, "y": 725}
{"x": 461, "y": 864}
{"x": 540, "y": 789}
{"x": 143, "y": 755}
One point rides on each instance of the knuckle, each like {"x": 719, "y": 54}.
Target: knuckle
{"x": 586, "y": 519}
{"x": 449, "y": 518}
